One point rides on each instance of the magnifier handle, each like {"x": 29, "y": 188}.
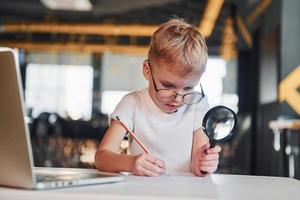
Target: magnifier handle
{"x": 212, "y": 145}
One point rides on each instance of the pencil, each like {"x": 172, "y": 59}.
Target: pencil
{"x": 133, "y": 135}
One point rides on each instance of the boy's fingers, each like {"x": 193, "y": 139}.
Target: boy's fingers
{"x": 153, "y": 168}
{"x": 211, "y": 156}
{"x": 155, "y": 161}
{"x": 216, "y": 149}
{"x": 149, "y": 172}
{"x": 202, "y": 151}
{"x": 208, "y": 159}
{"x": 210, "y": 163}
{"x": 197, "y": 172}
{"x": 160, "y": 163}
{"x": 203, "y": 148}
{"x": 154, "y": 164}
{"x": 150, "y": 158}
{"x": 207, "y": 169}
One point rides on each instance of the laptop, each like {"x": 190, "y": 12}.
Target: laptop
{"x": 16, "y": 158}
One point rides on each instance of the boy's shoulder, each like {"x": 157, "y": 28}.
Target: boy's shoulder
{"x": 135, "y": 96}
{"x": 202, "y": 105}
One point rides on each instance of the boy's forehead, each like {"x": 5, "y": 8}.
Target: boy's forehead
{"x": 168, "y": 63}
{"x": 176, "y": 69}
{"x": 175, "y": 65}
{"x": 168, "y": 76}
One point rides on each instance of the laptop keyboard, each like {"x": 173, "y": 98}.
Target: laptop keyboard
{"x": 42, "y": 177}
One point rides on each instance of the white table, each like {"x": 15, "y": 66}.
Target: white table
{"x": 180, "y": 186}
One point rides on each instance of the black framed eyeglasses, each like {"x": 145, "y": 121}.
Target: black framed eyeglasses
{"x": 167, "y": 95}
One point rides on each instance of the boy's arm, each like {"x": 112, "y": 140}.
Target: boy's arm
{"x": 199, "y": 139}
{"x": 107, "y": 156}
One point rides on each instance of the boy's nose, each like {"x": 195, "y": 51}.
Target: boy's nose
{"x": 178, "y": 99}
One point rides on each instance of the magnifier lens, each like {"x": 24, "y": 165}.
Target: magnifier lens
{"x": 220, "y": 123}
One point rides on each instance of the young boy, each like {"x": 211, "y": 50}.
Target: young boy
{"x": 167, "y": 116}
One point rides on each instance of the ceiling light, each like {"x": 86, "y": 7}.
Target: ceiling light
{"x": 210, "y": 16}
{"x": 71, "y": 5}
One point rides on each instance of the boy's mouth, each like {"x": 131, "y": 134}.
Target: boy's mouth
{"x": 171, "y": 107}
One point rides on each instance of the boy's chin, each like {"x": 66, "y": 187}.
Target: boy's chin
{"x": 170, "y": 112}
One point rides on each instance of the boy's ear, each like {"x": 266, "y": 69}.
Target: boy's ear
{"x": 146, "y": 70}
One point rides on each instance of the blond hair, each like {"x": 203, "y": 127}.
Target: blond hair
{"x": 178, "y": 42}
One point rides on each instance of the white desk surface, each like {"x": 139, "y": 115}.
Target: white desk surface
{"x": 175, "y": 186}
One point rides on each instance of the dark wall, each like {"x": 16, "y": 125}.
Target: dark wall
{"x": 267, "y": 161}
{"x": 247, "y": 86}
{"x": 290, "y": 47}
{"x": 275, "y": 54}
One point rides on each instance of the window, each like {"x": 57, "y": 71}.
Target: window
{"x": 64, "y": 89}
{"x": 219, "y": 83}
{"x": 110, "y": 100}
{"x": 120, "y": 74}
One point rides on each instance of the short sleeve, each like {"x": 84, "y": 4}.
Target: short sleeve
{"x": 125, "y": 111}
{"x": 200, "y": 110}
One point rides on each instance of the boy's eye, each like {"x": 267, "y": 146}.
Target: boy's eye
{"x": 189, "y": 88}
{"x": 167, "y": 85}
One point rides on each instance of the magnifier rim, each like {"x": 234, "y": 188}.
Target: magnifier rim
{"x": 232, "y": 132}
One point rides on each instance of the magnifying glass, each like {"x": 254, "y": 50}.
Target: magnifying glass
{"x": 219, "y": 124}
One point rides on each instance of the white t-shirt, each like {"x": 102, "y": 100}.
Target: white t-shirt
{"x": 167, "y": 136}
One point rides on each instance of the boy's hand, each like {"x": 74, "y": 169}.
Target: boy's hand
{"x": 206, "y": 160}
{"x": 148, "y": 165}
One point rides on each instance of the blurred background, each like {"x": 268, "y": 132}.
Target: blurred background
{"x": 78, "y": 58}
